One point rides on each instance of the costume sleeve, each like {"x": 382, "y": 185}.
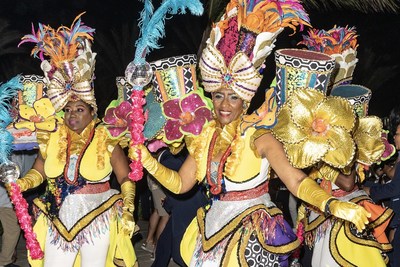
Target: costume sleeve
{"x": 384, "y": 191}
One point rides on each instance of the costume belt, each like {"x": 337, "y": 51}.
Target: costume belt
{"x": 246, "y": 194}
{"x": 94, "y": 188}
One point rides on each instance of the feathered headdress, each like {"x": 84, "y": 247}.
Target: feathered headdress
{"x": 341, "y": 44}
{"x": 240, "y": 42}
{"x": 7, "y": 92}
{"x": 69, "y": 72}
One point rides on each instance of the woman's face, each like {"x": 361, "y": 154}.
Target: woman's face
{"x": 78, "y": 115}
{"x": 228, "y": 105}
{"x": 397, "y": 138}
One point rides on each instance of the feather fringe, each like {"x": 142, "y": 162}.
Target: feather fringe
{"x": 7, "y": 92}
{"x": 145, "y": 15}
{"x": 61, "y": 44}
{"x": 154, "y": 27}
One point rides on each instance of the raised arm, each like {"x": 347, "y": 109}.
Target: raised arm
{"x": 306, "y": 188}
{"x": 176, "y": 182}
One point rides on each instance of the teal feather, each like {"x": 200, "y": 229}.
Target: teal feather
{"x": 145, "y": 15}
{"x": 8, "y": 91}
{"x": 154, "y": 28}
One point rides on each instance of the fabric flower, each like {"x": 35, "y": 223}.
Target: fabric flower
{"x": 117, "y": 117}
{"x": 390, "y": 149}
{"x": 314, "y": 128}
{"x": 39, "y": 117}
{"x": 368, "y": 138}
{"x": 185, "y": 116}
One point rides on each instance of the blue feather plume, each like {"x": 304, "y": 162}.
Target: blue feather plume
{"x": 145, "y": 15}
{"x": 154, "y": 28}
{"x": 8, "y": 91}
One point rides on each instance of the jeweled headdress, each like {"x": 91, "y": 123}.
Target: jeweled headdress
{"x": 70, "y": 68}
{"x": 341, "y": 44}
{"x": 240, "y": 42}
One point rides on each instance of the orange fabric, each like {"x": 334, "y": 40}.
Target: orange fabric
{"x": 376, "y": 211}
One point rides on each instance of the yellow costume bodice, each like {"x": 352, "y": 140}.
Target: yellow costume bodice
{"x": 242, "y": 166}
{"x": 94, "y": 152}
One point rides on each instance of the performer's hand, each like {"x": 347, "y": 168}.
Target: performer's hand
{"x": 350, "y": 212}
{"x": 128, "y": 223}
{"x": 133, "y": 152}
{"x": 128, "y": 190}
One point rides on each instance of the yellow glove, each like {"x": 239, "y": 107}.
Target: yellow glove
{"x": 32, "y": 179}
{"x": 128, "y": 197}
{"x": 168, "y": 178}
{"x": 312, "y": 193}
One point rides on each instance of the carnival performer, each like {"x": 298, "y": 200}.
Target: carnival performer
{"x": 333, "y": 241}
{"x": 233, "y": 157}
{"x": 391, "y": 191}
{"x": 80, "y": 220}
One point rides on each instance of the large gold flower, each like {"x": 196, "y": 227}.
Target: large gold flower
{"x": 314, "y": 128}
{"x": 368, "y": 138}
{"x": 41, "y": 116}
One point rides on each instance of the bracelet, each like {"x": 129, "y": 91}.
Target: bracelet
{"x": 327, "y": 210}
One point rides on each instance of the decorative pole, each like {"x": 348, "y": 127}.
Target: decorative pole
{"x": 9, "y": 171}
{"x": 139, "y": 72}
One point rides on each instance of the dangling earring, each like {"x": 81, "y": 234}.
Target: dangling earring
{"x": 245, "y": 107}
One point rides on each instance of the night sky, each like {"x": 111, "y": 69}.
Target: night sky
{"x": 115, "y": 22}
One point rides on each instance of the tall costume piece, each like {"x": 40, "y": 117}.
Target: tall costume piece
{"x": 335, "y": 242}
{"x": 139, "y": 72}
{"x": 78, "y": 205}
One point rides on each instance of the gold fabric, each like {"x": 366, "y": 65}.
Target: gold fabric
{"x": 314, "y": 128}
{"x": 368, "y": 138}
{"x": 167, "y": 177}
{"x": 95, "y": 163}
{"x": 128, "y": 190}
{"x": 32, "y": 179}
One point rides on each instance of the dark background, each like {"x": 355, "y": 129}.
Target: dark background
{"x": 115, "y": 22}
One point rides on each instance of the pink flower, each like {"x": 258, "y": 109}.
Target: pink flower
{"x": 185, "y": 116}
{"x": 117, "y": 118}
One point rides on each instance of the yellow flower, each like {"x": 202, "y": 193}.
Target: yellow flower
{"x": 368, "y": 138}
{"x": 315, "y": 128}
{"x": 39, "y": 117}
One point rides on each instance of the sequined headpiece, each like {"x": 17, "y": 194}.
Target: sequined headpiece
{"x": 70, "y": 68}
{"x": 240, "y": 42}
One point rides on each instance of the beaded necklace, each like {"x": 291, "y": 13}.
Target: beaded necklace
{"x": 216, "y": 188}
